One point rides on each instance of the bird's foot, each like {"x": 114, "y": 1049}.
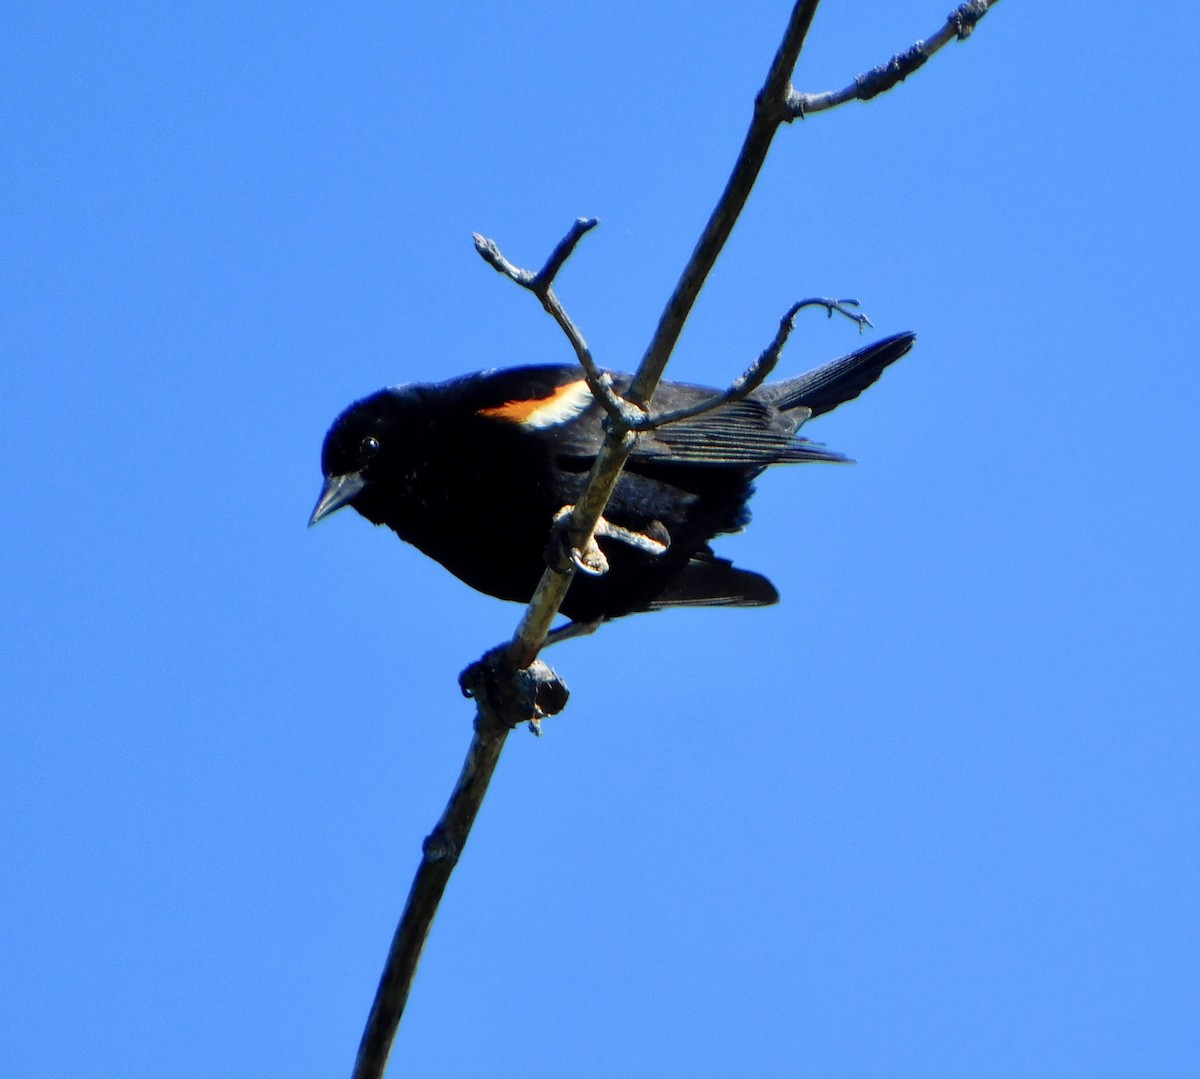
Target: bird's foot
{"x": 591, "y": 559}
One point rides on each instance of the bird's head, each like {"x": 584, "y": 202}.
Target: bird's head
{"x": 356, "y": 453}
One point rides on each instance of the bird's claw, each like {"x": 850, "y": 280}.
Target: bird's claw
{"x": 590, "y": 560}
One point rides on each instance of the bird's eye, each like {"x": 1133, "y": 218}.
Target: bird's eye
{"x": 368, "y": 447}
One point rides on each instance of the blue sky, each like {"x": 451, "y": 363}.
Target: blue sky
{"x": 935, "y": 814}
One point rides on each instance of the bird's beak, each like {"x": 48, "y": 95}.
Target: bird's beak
{"x": 338, "y": 490}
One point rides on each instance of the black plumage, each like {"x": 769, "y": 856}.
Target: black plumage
{"x": 473, "y": 472}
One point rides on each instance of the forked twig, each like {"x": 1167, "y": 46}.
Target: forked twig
{"x": 541, "y": 284}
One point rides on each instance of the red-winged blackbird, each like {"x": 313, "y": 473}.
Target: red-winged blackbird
{"x": 474, "y": 471}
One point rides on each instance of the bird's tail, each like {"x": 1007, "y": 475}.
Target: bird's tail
{"x": 709, "y": 581}
{"x": 839, "y": 381}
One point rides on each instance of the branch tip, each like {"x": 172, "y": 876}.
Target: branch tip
{"x": 566, "y": 246}
{"x": 958, "y": 27}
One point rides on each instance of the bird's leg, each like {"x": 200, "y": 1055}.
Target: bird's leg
{"x": 570, "y": 630}
{"x": 591, "y": 560}
{"x": 655, "y": 540}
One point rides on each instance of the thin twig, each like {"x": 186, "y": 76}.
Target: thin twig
{"x": 957, "y": 27}
{"x": 563, "y": 251}
{"x": 760, "y": 370}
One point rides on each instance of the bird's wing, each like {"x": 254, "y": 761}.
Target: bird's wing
{"x": 747, "y": 433}
{"x": 750, "y": 433}
{"x": 555, "y": 403}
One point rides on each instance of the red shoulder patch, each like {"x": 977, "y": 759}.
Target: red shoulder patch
{"x": 564, "y": 404}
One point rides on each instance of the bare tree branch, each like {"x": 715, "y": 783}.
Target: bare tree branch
{"x": 437, "y": 862}
{"x": 509, "y": 684}
{"x": 533, "y": 693}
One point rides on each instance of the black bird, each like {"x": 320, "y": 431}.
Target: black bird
{"x": 474, "y": 471}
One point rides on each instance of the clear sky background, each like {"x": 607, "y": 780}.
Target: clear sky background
{"x": 935, "y": 814}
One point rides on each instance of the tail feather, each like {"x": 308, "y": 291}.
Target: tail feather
{"x": 708, "y": 581}
{"x": 841, "y": 380}
{"x": 804, "y": 450}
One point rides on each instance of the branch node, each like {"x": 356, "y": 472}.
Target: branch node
{"x": 796, "y": 104}
{"x": 965, "y": 16}
{"x": 505, "y": 698}
{"x": 438, "y": 847}
{"x": 545, "y": 691}
{"x": 896, "y": 70}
